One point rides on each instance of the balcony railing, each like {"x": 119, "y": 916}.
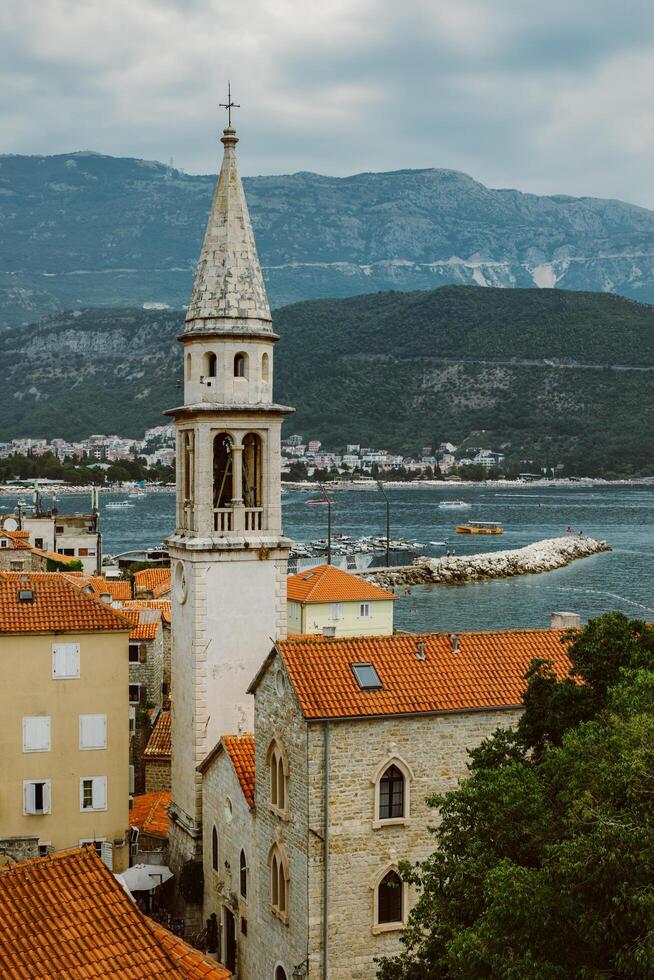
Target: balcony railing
{"x": 223, "y": 519}
{"x": 253, "y": 518}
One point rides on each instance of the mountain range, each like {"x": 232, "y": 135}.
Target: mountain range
{"x": 565, "y": 376}
{"x": 84, "y": 230}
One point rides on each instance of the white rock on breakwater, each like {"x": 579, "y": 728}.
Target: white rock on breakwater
{"x": 542, "y": 556}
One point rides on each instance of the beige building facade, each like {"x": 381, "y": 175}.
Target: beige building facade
{"x": 64, "y": 736}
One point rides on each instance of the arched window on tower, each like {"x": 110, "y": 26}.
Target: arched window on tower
{"x": 222, "y": 482}
{"x": 390, "y": 900}
{"x": 279, "y": 882}
{"x": 210, "y": 364}
{"x": 391, "y": 794}
{"x": 251, "y": 491}
{"x": 278, "y": 778}
{"x": 188, "y": 366}
{"x": 241, "y": 365}
{"x": 265, "y": 368}
{"x": 188, "y": 477}
{"x": 214, "y": 849}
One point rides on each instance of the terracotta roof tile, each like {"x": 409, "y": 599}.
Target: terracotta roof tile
{"x": 58, "y": 606}
{"x": 67, "y": 916}
{"x": 16, "y": 539}
{"x": 160, "y": 742}
{"x": 117, "y": 588}
{"x": 55, "y": 556}
{"x": 164, "y": 605}
{"x": 240, "y": 749}
{"x": 155, "y": 580}
{"x": 325, "y": 583}
{"x": 487, "y": 671}
{"x": 149, "y": 813}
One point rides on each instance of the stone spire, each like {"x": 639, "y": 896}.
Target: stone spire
{"x": 228, "y": 291}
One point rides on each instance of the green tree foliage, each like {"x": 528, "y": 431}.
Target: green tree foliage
{"x": 544, "y": 867}
{"x": 82, "y": 473}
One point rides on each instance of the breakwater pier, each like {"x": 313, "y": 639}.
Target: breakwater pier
{"x": 541, "y": 556}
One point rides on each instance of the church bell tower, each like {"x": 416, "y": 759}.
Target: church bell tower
{"x": 228, "y": 553}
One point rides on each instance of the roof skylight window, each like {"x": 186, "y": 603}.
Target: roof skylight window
{"x": 367, "y": 677}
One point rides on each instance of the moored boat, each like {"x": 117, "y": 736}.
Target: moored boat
{"x": 480, "y": 527}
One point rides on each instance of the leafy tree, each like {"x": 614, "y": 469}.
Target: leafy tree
{"x": 544, "y": 866}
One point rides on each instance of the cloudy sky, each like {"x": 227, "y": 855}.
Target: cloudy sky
{"x": 550, "y": 97}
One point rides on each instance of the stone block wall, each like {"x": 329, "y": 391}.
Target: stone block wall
{"x": 225, "y": 808}
{"x": 157, "y": 774}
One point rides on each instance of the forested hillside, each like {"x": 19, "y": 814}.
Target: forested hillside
{"x": 561, "y": 375}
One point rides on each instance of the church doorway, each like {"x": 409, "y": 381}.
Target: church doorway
{"x": 230, "y": 939}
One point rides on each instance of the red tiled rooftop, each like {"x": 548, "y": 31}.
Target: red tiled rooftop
{"x": 240, "y": 749}
{"x": 149, "y": 813}
{"x": 325, "y": 583}
{"x": 160, "y": 742}
{"x": 57, "y": 606}
{"x": 164, "y": 605}
{"x": 154, "y": 580}
{"x": 67, "y": 916}
{"x": 487, "y": 671}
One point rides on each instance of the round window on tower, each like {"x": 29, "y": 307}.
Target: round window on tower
{"x": 181, "y": 588}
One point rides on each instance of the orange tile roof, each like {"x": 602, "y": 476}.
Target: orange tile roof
{"x": 144, "y": 631}
{"x": 240, "y": 749}
{"x": 67, "y": 916}
{"x": 154, "y": 580}
{"x": 149, "y": 813}
{"x": 57, "y": 607}
{"x": 164, "y": 605}
{"x": 117, "y": 588}
{"x": 55, "y": 556}
{"x": 17, "y": 539}
{"x": 487, "y": 671}
{"x": 160, "y": 742}
{"x": 325, "y": 583}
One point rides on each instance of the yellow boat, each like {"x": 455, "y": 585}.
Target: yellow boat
{"x": 480, "y": 527}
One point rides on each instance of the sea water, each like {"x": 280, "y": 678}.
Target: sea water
{"x": 621, "y": 579}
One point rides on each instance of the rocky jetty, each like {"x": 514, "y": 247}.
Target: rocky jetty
{"x": 542, "y": 556}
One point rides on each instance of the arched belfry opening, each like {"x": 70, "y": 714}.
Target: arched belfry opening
{"x": 188, "y": 478}
{"x": 265, "y": 368}
{"x": 252, "y": 481}
{"x": 210, "y": 365}
{"x": 223, "y": 460}
{"x": 240, "y": 365}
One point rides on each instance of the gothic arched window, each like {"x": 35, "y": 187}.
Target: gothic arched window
{"x": 214, "y": 849}
{"x": 265, "y": 367}
{"x": 390, "y": 899}
{"x": 280, "y": 973}
{"x": 241, "y": 365}
{"x": 391, "y": 794}
{"x": 188, "y": 367}
{"x": 243, "y": 874}
{"x": 278, "y": 778}
{"x": 279, "y": 882}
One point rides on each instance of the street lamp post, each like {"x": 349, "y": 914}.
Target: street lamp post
{"x": 380, "y": 484}
{"x": 329, "y": 524}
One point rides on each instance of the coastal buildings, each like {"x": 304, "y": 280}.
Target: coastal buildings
{"x": 228, "y": 553}
{"x": 64, "y": 731}
{"x": 327, "y": 600}
{"x": 306, "y": 821}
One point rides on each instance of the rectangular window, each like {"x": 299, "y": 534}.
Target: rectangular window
{"x": 364, "y": 610}
{"x": 36, "y": 796}
{"x": 132, "y": 719}
{"x": 103, "y": 848}
{"x": 336, "y": 611}
{"x": 4, "y": 543}
{"x": 133, "y": 653}
{"x": 92, "y": 731}
{"x": 293, "y": 610}
{"x": 38, "y": 543}
{"x": 134, "y": 693}
{"x": 93, "y": 793}
{"x": 44, "y": 848}
{"x": 83, "y": 552}
{"x": 65, "y": 660}
{"x": 36, "y": 733}
{"x": 16, "y": 566}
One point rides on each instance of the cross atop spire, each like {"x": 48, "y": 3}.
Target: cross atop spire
{"x": 229, "y": 105}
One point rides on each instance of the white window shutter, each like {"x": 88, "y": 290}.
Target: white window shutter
{"x": 92, "y": 731}
{"x": 100, "y": 793}
{"x": 107, "y": 854}
{"x": 65, "y": 660}
{"x": 36, "y": 733}
{"x": 58, "y": 661}
{"x": 81, "y": 794}
{"x": 72, "y": 659}
{"x": 46, "y": 797}
{"x": 28, "y": 797}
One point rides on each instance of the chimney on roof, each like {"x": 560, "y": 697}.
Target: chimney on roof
{"x": 565, "y": 621}
{"x": 420, "y": 650}
{"x": 454, "y": 642}
{"x": 329, "y": 632}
